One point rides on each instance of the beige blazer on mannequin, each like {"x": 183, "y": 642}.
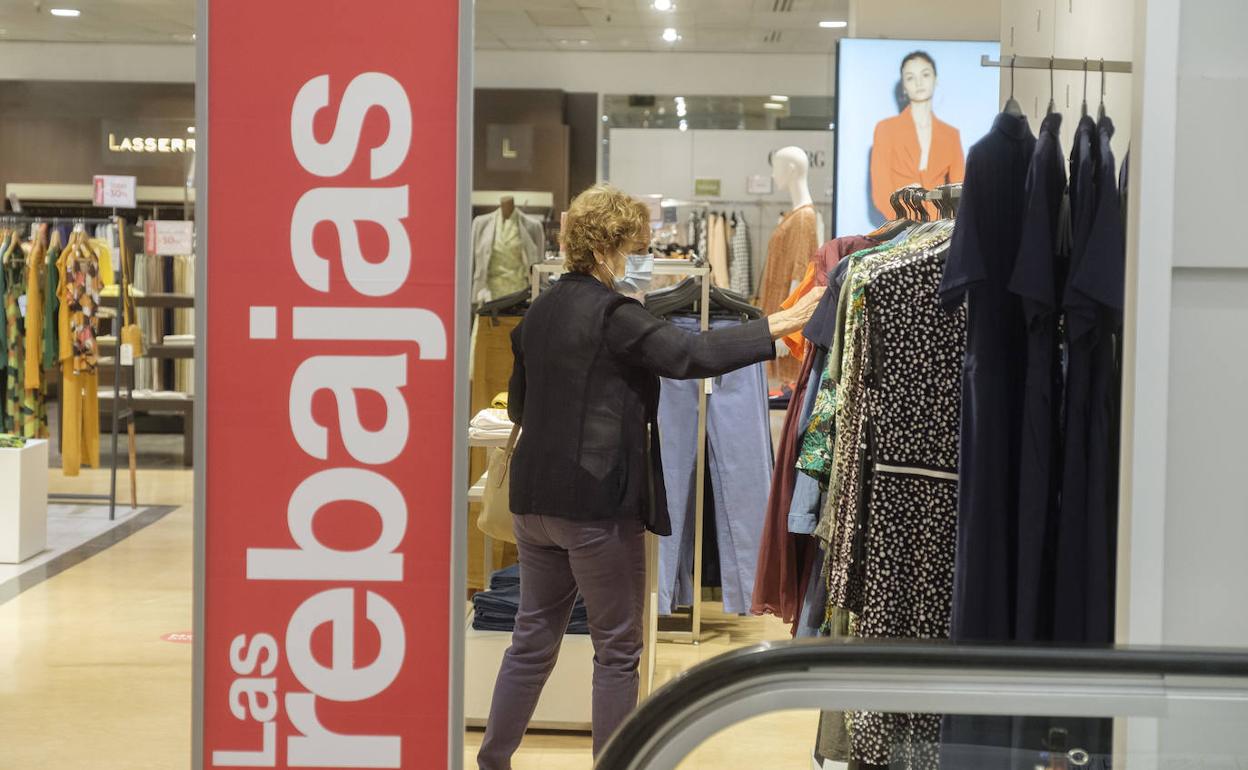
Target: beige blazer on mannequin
{"x": 532, "y": 241}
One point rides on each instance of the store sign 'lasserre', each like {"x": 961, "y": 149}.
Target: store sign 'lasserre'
{"x": 151, "y": 144}
{"x": 330, "y": 394}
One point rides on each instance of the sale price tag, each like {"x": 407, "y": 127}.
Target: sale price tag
{"x": 117, "y": 192}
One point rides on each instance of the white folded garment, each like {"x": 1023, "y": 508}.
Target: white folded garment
{"x": 490, "y": 424}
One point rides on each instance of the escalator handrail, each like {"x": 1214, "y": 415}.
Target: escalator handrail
{"x": 769, "y": 659}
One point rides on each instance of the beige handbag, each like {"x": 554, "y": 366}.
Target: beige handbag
{"x": 495, "y": 519}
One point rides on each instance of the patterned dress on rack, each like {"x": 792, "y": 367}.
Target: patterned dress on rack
{"x": 913, "y": 399}
{"x": 740, "y": 267}
{"x": 83, "y": 285}
{"x": 843, "y": 524}
{"x": 13, "y": 373}
{"x": 25, "y": 413}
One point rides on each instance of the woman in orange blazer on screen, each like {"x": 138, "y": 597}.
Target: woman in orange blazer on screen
{"x": 914, "y": 147}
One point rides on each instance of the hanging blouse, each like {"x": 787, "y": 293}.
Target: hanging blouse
{"x": 82, "y": 295}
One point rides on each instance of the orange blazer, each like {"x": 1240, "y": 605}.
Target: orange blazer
{"x": 895, "y": 158}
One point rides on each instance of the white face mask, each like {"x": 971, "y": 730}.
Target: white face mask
{"x": 638, "y": 274}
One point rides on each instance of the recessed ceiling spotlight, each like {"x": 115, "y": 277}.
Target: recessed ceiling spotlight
{"x": 68, "y": 13}
{"x": 684, "y": 125}
{"x": 190, "y": 129}
{"x": 774, "y": 106}
{"x": 781, "y": 99}
{"x": 584, "y": 42}
{"x": 671, "y": 35}
{"x": 662, "y": 5}
{"x": 834, "y": 24}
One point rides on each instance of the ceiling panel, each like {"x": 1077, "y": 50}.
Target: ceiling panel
{"x": 606, "y": 25}
{"x": 721, "y": 26}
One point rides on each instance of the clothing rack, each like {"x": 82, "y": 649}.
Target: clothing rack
{"x": 14, "y": 220}
{"x": 1052, "y": 63}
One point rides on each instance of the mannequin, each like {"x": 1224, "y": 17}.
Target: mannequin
{"x": 525, "y": 245}
{"x": 793, "y": 244}
{"x": 790, "y": 168}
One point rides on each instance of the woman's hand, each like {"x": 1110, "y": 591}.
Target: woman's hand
{"x": 785, "y": 322}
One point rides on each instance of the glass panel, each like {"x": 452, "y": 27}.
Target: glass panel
{"x": 1198, "y": 733}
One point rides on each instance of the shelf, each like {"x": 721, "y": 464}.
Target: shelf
{"x": 165, "y": 300}
{"x": 160, "y": 351}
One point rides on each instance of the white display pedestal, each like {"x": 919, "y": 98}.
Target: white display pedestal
{"x": 566, "y": 701}
{"x": 23, "y": 501}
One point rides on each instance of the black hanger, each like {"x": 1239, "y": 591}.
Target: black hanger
{"x": 511, "y": 304}
{"x": 895, "y": 201}
{"x": 1083, "y": 111}
{"x": 1012, "y": 107}
{"x": 1100, "y": 111}
{"x": 686, "y": 296}
{"x": 1052, "y": 103}
{"x": 900, "y": 221}
{"x": 917, "y": 199}
{"x": 733, "y": 303}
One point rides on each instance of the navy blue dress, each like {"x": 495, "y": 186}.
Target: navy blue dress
{"x": 1087, "y": 528}
{"x": 1039, "y": 275}
{"x": 979, "y": 266}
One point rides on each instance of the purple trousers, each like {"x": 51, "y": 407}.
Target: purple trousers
{"x": 606, "y": 561}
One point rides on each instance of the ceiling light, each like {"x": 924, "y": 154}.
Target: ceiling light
{"x": 190, "y": 129}
{"x": 834, "y": 24}
{"x": 671, "y": 35}
{"x": 774, "y": 106}
{"x": 66, "y": 12}
{"x": 780, "y": 99}
{"x": 684, "y": 125}
{"x": 604, "y": 118}
{"x": 662, "y": 5}
{"x": 681, "y": 111}
{"x": 584, "y": 42}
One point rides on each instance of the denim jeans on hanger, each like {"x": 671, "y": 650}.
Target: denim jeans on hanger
{"x": 739, "y": 461}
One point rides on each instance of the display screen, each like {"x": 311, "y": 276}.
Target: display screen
{"x": 913, "y": 124}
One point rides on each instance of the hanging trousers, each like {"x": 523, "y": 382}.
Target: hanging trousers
{"x": 739, "y": 459}
{"x": 606, "y": 560}
{"x": 80, "y": 422}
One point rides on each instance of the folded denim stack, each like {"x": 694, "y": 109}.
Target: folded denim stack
{"x": 495, "y": 609}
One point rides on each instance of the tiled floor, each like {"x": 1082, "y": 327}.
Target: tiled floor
{"x": 87, "y": 683}
{"x": 72, "y": 526}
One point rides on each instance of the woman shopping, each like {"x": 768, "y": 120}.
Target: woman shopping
{"x": 585, "y": 482}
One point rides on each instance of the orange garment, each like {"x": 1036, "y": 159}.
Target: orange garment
{"x": 795, "y": 341}
{"x": 895, "y": 156}
{"x": 789, "y": 252}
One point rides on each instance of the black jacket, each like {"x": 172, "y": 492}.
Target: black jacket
{"x": 585, "y": 388}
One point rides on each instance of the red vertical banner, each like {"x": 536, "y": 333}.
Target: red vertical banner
{"x": 330, "y": 135}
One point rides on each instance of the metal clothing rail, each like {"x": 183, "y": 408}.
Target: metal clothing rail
{"x": 1052, "y": 63}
